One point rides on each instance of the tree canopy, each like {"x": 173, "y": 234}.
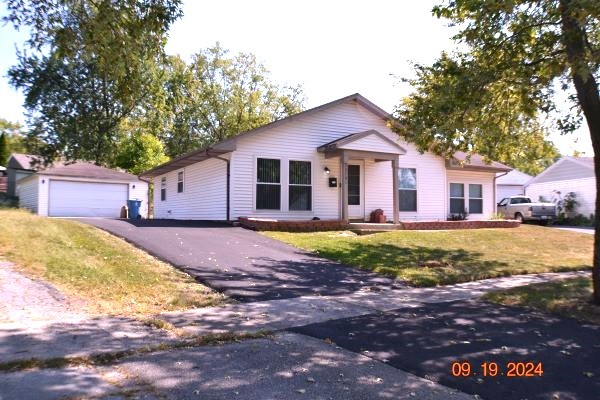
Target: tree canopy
{"x": 14, "y": 140}
{"x": 216, "y": 96}
{"x": 85, "y": 68}
{"x": 497, "y": 94}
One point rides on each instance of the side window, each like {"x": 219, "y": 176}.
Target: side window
{"x": 163, "y": 188}
{"x": 300, "y": 186}
{"x": 457, "y": 198}
{"x": 180, "y": 182}
{"x": 503, "y": 202}
{"x": 475, "y": 199}
{"x": 268, "y": 184}
{"x": 407, "y": 192}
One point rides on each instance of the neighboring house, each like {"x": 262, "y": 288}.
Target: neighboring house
{"x": 3, "y": 179}
{"x": 336, "y": 161}
{"x": 18, "y": 166}
{"x": 80, "y": 189}
{"x": 511, "y": 184}
{"x": 569, "y": 174}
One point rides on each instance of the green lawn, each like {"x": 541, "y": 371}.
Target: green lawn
{"x": 571, "y": 298}
{"x": 107, "y": 273}
{"x": 428, "y": 258}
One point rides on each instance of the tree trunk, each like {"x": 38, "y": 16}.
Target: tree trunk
{"x": 574, "y": 40}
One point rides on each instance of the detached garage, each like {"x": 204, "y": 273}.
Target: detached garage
{"x": 80, "y": 190}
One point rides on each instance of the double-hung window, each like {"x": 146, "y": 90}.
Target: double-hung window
{"x": 300, "y": 186}
{"x": 407, "y": 192}
{"x": 457, "y": 198}
{"x": 475, "y": 199}
{"x": 268, "y": 184}
{"x": 163, "y": 188}
{"x": 180, "y": 182}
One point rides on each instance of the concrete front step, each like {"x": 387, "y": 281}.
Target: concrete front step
{"x": 364, "y": 228}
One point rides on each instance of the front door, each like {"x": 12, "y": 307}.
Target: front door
{"x": 356, "y": 192}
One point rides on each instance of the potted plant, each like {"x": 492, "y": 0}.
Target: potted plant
{"x": 377, "y": 216}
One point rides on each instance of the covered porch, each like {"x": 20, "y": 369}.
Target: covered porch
{"x": 356, "y": 153}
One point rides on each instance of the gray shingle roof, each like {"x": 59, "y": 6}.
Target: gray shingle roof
{"x": 82, "y": 169}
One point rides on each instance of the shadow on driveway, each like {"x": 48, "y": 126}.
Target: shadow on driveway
{"x": 243, "y": 264}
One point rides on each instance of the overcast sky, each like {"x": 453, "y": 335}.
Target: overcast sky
{"x": 332, "y": 48}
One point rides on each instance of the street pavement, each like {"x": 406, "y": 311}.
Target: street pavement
{"x": 427, "y": 340}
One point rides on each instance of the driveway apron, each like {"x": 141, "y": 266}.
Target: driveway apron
{"x": 243, "y": 264}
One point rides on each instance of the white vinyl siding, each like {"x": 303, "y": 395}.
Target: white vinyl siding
{"x": 27, "y": 190}
{"x": 371, "y": 143}
{"x": 298, "y": 140}
{"x": 477, "y": 178}
{"x": 584, "y": 188}
{"x": 204, "y": 196}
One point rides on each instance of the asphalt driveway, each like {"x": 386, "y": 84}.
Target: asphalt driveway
{"x": 243, "y": 264}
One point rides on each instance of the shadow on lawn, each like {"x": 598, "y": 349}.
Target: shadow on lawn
{"x": 423, "y": 266}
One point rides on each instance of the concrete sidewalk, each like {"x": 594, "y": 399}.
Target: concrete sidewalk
{"x": 77, "y": 337}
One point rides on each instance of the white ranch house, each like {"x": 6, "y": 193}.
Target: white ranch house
{"x": 338, "y": 161}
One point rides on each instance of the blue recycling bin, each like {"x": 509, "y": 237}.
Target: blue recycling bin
{"x": 134, "y": 208}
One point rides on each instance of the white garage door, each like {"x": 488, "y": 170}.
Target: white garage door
{"x": 507, "y": 191}
{"x": 86, "y": 199}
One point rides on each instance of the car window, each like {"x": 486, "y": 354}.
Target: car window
{"x": 503, "y": 202}
{"x": 515, "y": 201}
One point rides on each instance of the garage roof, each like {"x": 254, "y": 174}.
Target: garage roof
{"x": 87, "y": 170}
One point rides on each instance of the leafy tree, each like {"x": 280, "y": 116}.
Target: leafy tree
{"x": 217, "y": 96}
{"x": 517, "y": 55}
{"x": 15, "y": 141}
{"x": 140, "y": 152}
{"x": 4, "y": 151}
{"x": 533, "y": 154}
{"x": 86, "y": 68}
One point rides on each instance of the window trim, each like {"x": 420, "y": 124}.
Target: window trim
{"x": 416, "y": 189}
{"x": 475, "y": 198}
{"x": 312, "y": 191}
{"x": 450, "y": 197}
{"x": 182, "y": 181}
{"x": 163, "y": 188}
{"x": 256, "y": 183}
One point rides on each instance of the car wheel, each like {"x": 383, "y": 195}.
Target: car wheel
{"x": 519, "y": 217}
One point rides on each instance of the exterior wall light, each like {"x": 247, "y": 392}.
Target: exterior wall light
{"x": 327, "y": 171}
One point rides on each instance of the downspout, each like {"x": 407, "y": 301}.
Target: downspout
{"x": 495, "y": 202}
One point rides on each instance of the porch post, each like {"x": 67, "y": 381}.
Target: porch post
{"x": 344, "y": 182}
{"x": 395, "y": 188}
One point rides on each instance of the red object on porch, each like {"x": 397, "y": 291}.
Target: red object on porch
{"x": 377, "y": 216}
